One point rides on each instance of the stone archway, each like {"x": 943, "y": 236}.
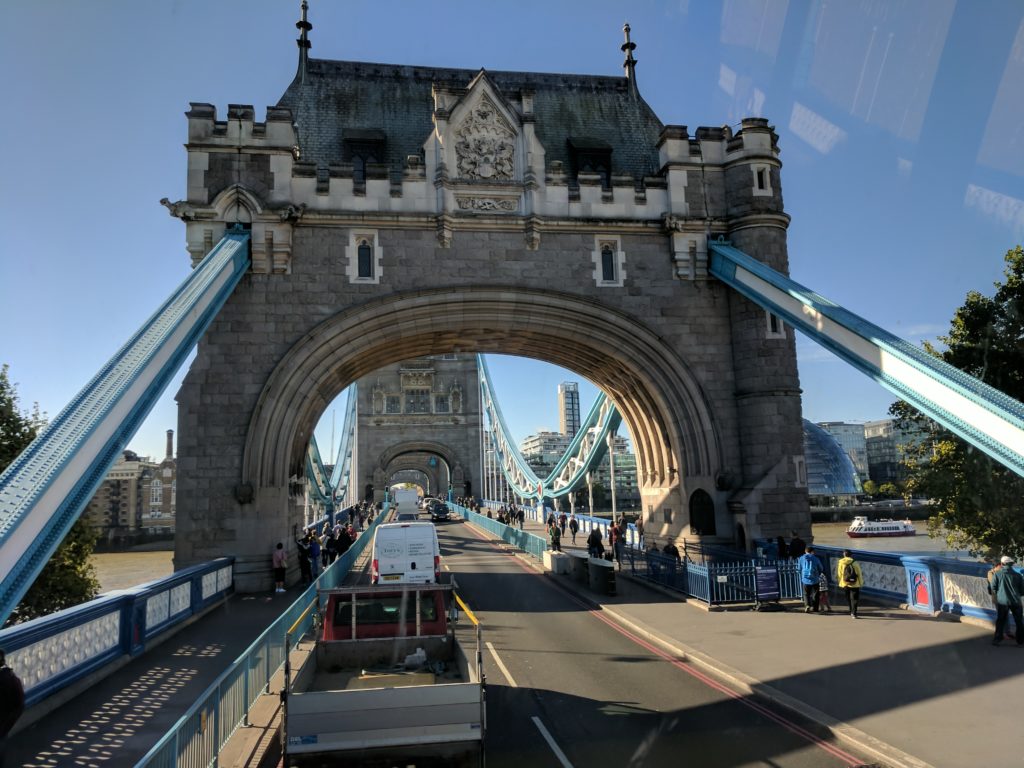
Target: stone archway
{"x": 662, "y": 402}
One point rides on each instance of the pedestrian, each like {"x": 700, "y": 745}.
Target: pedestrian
{"x": 574, "y": 527}
{"x": 594, "y": 546}
{"x": 563, "y": 521}
{"x": 304, "y": 566}
{"x": 851, "y": 579}
{"x": 655, "y": 559}
{"x": 12, "y": 702}
{"x": 522, "y": 517}
{"x": 780, "y": 542}
{"x": 331, "y": 547}
{"x": 671, "y": 550}
{"x": 555, "y": 537}
{"x": 797, "y": 546}
{"x": 824, "y": 602}
{"x": 280, "y": 560}
{"x": 314, "y": 554}
{"x": 810, "y": 568}
{"x": 640, "y": 532}
{"x": 1007, "y": 588}
{"x": 618, "y": 543}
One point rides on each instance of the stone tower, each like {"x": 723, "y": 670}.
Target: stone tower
{"x": 407, "y": 211}
{"x": 423, "y": 415}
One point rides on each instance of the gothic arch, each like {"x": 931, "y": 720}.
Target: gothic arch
{"x": 661, "y": 400}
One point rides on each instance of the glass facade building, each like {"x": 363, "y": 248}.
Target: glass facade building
{"x": 830, "y": 472}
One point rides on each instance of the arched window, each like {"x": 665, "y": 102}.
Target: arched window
{"x": 607, "y": 264}
{"x": 365, "y": 253}
{"x": 702, "y": 513}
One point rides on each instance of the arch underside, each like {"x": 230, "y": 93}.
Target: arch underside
{"x": 661, "y": 401}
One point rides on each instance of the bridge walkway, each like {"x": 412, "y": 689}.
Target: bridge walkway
{"x": 122, "y": 716}
{"x": 915, "y": 690}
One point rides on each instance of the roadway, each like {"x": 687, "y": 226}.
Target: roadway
{"x": 568, "y": 687}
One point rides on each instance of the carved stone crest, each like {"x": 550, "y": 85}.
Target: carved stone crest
{"x": 485, "y": 144}
{"x": 488, "y": 204}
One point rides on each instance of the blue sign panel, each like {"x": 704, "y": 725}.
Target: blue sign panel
{"x": 766, "y": 582}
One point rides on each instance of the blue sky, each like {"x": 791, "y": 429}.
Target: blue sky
{"x": 900, "y": 127}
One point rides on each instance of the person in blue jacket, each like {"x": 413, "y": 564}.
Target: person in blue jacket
{"x": 810, "y": 569}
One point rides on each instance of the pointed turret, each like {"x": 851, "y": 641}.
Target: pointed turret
{"x": 630, "y": 63}
{"x": 303, "y": 42}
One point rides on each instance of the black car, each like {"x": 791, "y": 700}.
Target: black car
{"x": 439, "y": 511}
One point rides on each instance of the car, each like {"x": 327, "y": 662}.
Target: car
{"x": 407, "y": 516}
{"x": 439, "y": 511}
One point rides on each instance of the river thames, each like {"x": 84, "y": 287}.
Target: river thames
{"x": 121, "y": 570}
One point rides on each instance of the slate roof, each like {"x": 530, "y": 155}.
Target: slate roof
{"x": 347, "y": 96}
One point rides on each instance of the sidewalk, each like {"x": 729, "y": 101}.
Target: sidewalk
{"x": 910, "y": 689}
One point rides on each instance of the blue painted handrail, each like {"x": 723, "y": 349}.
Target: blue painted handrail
{"x": 48, "y": 485}
{"x": 982, "y": 415}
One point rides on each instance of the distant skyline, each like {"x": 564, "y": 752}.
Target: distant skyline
{"x": 899, "y": 129}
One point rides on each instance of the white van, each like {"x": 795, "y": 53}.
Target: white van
{"x": 405, "y": 553}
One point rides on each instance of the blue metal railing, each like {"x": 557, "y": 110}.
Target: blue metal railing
{"x": 533, "y": 545}
{"x": 105, "y": 630}
{"x": 196, "y": 739}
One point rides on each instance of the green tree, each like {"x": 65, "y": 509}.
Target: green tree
{"x": 888, "y": 490}
{"x": 870, "y": 487}
{"x": 979, "y": 503}
{"x": 68, "y": 578}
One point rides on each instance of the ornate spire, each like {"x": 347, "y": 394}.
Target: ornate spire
{"x": 630, "y": 63}
{"x": 303, "y": 42}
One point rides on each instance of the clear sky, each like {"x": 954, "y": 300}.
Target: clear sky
{"x": 900, "y": 128}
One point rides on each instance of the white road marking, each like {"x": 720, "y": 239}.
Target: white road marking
{"x": 501, "y": 666}
{"x": 551, "y": 743}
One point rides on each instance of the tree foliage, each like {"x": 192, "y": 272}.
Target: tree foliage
{"x": 979, "y": 503}
{"x": 68, "y": 578}
{"x": 870, "y": 487}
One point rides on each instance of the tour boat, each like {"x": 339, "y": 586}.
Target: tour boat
{"x": 861, "y": 528}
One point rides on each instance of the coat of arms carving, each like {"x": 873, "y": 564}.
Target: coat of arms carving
{"x": 485, "y": 144}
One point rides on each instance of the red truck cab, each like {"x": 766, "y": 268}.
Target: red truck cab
{"x": 363, "y": 614}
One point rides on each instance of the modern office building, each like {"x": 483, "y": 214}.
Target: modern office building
{"x": 886, "y": 447}
{"x": 568, "y": 408}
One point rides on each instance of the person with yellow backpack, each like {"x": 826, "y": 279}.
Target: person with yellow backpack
{"x": 851, "y": 579}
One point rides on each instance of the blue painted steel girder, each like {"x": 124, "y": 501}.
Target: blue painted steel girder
{"x": 980, "y": 414}
{"x": 585, "y": 452}
{"x": 45, "y": 489}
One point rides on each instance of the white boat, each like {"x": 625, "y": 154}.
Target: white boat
{"x": 861, "y": 528}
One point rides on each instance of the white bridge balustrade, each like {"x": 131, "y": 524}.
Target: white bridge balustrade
{"x": 65, "y": 651}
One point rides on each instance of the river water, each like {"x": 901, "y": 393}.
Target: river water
{"x": 121, "y": 570}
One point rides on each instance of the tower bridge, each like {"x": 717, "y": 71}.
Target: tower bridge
{"x": 384, "y": 225}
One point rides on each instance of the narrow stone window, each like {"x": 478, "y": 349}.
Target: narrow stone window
{"x": 365, "y": 259}
{"x": 762, "y": 180}
{"x": 800, "y": 465}
{"x": 607, "y": 263}
{"x": 774, "y": 327}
